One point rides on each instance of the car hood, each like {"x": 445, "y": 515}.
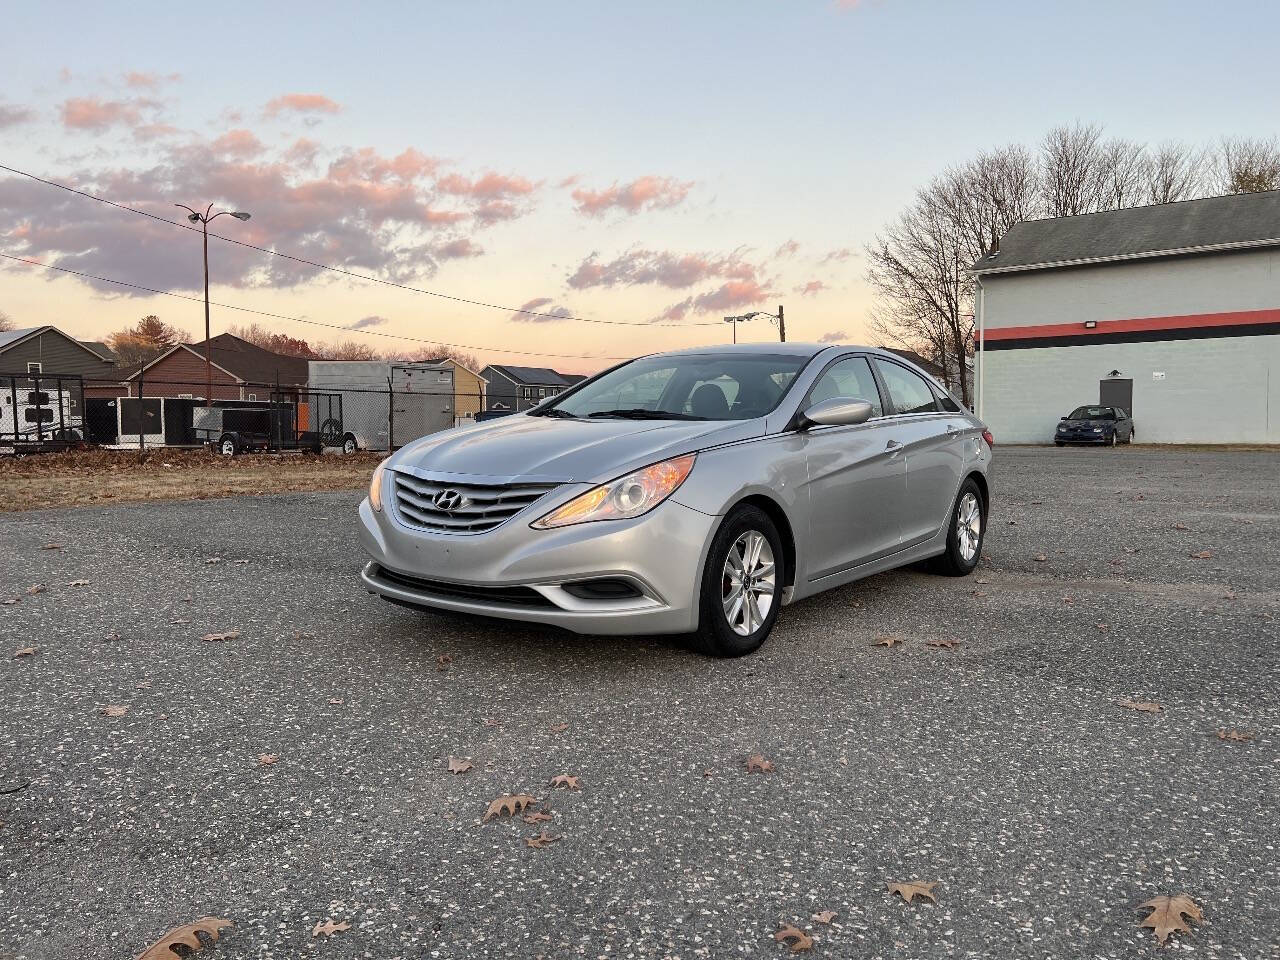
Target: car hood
{"x": 552, "y": 449}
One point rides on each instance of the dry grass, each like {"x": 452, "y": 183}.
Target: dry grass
{"x": 82, "y": 478}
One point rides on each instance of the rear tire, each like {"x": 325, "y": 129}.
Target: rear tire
{"x": 743, "y": 577}
{"x": 1058, "y": 443}
{"x": 349, "y": 444}
{"x": 966, "y": 531}
{"x": 228, "y": 445}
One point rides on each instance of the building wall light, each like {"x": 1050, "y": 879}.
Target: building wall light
{"x": 1090, "y": 324}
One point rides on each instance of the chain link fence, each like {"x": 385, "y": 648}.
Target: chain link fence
{"x": 47, "y": 412}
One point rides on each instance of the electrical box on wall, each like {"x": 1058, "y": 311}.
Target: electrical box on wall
{"x": 1157, "y": 374}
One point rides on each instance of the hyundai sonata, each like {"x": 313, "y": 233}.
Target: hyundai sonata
{"x": 695, "y": 492}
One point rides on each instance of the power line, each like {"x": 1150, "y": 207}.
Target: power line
{"x": 341, "y": 270}
{"x": 314, "y": 323}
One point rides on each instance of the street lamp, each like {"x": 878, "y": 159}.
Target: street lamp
{"x": 779, "y": 316}
{"x": 203, "y": 219}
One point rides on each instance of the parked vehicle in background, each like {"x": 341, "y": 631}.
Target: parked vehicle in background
{"x": 1095, "y": 425}
{"x": 692, "y": 492}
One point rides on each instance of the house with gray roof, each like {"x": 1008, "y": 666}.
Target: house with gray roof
{"x": 519, "y": 388}
{"x": 1163, "y": 311}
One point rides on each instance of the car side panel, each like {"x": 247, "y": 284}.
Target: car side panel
{"x": 934, "y": 468}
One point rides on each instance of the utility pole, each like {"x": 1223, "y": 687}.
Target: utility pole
{"x": 782, "y": 325}
{"x": 203, "y": 219}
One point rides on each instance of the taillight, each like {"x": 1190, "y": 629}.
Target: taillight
{"x": 986, "y": 435}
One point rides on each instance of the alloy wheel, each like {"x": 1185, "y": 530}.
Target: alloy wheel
{"x": 748, "y": 583}
{"x": 968, "y": 526}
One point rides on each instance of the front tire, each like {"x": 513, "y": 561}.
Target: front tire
{"x": 741, "y": 589}
{"x": 966, "y": 530}
{"x": 228, "y": 446}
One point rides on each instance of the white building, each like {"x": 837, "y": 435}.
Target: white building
{"x": 1170, "y": 311}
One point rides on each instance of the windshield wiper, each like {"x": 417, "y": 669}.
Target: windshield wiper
{"x": 639, "y": 413}
{"x": 553, "y": 412}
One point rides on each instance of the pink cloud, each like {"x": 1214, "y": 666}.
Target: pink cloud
{"x": 838, "y": 256}
{"x": 644, "y": 193}
{"x": 367, "y": 164}
{"x": 240, "y": 144}
{"x": 666, "y": 269}
{"x": 312, "y": 103}
{"x": 11, "y": 116}
{"x": 373, "y": 320}
{"x": 544, "y": 310}
{"x": 95, "y": 114}
{"x": 788, "y": 249}
{"x": 834, "y": 336}
{"x": 149, "y": 81}
{"x": 811, "y": 289}
{"x": 385, "y": 215}
{"x": 728, "y": 296}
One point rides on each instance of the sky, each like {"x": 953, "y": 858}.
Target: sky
{"x": 659, "y": 165}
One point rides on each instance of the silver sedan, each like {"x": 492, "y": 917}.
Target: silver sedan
{"x": 695, "y": 492}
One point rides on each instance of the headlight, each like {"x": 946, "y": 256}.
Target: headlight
{"x": 375, "y": 486}
{"x": 630, "y": 496}
{"x": 1097, "y": 429}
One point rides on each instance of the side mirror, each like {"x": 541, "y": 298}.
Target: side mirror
{"x": 837, "y": 412}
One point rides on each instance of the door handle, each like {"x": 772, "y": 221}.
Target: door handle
{"x": 953, "y": 430}
{"x": 892, "y": 447}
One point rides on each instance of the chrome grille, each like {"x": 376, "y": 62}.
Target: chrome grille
{"x": 461, "y": 507}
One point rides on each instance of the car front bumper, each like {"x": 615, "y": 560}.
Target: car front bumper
{"x": 1083, "y": 438}
{"x": 518, "y": 573}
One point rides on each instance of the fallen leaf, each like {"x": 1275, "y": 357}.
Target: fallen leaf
{"x": 942, "y": 643}
{"x": 887, "y": 641}
{"x": 1202, "y": 555}
{"x": 143, "y": 685}
{"x": 559, "y": 727}
{"x": 329, "y": 928}
{"x": 187, "y": 598}
{"x": 10, "y": 603}
{"x": 113, "y": 636}
{"x": 1167, "y": 915}
{"x": 491, "y": 721}
{"x": 795, "y": 937}
{"x": 915, "y": 888}
{"x": 1181, "y": 526}
{"x": 826, "y": 916}
{"x": 1039, "y": 558}
{"x": 981, "y": 580}
{"x": 335, "y": 701}
{"x": 540, "y": 840}
{"x": 185, "y": 936}
{"x": 52, "y": 546}
{"x": 1103, "y": 627}
{"x": 219, "y": 637}
{"x": 35, "y": 588}
{"x": 443, "y": 661}
{"x": 537, "y": 816}
{"x": 1235, "y": 736}
{"x": 267, "y": 759}
{"x": 1141, "y": 706}
{"x": 458, "y": 764}
{"x": 759, "y": 763}
{"x": 508, "y": 805}
{"x": 178, "y": 621}
{"x": 239, "y": 561}
{"x": 214, "y": 560}
{"x": 566, "y": 781}
{"x": 113, "y": 710}
{"x": 25, "y": 652}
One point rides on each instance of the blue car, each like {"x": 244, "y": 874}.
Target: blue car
{"x": 1097, "y": 425}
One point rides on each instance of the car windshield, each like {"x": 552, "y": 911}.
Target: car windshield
{"x": 704, "y": 386}
{"x": 1092, "y": 413}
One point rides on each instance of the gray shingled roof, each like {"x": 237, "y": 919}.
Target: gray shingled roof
{"x": 536, "y": 376}
{"x": 1240, "y": 220}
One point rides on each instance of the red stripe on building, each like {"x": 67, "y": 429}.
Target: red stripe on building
{"x": 1105, "y": 328}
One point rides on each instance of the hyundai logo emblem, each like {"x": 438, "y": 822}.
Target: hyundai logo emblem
{"x": 449, "y": 501}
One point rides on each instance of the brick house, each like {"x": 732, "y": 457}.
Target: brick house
{"x": 241, "y": 371}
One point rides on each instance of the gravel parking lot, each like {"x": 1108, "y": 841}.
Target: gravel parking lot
{"x": 1004, "y": 769}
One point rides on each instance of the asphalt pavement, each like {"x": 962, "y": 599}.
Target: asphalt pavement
{"x": 1005, "y": 769}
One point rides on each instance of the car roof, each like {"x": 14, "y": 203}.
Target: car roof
{"x": 788, "y": 349}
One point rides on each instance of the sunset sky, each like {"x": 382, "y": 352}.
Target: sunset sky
{"x": 657, "y": 162}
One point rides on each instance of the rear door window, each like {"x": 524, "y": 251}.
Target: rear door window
{"x": 908, "y": 392}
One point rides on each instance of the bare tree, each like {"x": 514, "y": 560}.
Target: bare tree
{"x": 1174, "y": 171}
{"x": 1121, "y": 174}
{"x": 1071, "y": 165}
{"x": 6, "y": 322}
{"x": 1247, "y": 165}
